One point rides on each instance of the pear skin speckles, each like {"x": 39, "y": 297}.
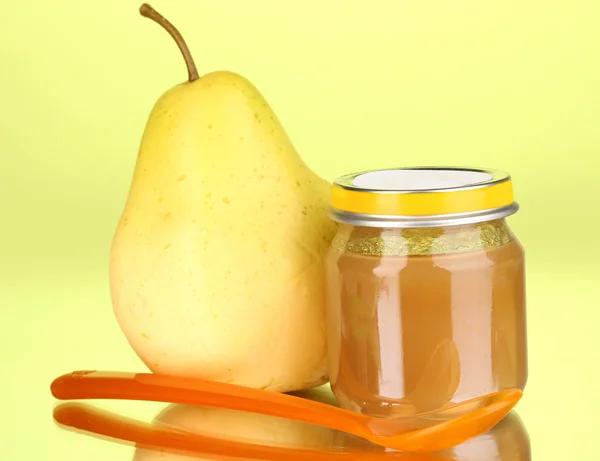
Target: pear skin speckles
{"x": 223, "y": 235}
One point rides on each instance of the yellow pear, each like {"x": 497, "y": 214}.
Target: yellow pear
{"x": 216, "y": 264}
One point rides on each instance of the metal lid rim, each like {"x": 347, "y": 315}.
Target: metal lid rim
{"x": 442, "y": 220}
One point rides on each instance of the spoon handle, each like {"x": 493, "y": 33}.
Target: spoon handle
{"x": 171, "y": 389}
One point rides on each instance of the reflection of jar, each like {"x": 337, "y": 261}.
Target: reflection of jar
{"x": 506, "y": 441}
{"x": 426, "y": 289}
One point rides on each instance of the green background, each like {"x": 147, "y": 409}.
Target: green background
{"x": 358, "y": 85}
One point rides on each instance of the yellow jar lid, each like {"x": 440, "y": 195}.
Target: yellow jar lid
{"x": 422, "y": 197}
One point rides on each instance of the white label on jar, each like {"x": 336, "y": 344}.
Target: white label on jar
{"x": 417, "y": 180}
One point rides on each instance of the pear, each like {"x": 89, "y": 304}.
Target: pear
{"x": 216, "y": 265}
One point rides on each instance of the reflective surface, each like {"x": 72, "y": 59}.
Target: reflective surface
{"x": 180, "y": 432}
{"x": 75, "y": 329}
{"x": 437, "y": 430}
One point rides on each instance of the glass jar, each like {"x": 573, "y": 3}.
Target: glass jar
{"x": 425, "y": 289}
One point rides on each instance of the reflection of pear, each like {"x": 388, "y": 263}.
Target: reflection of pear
{"x": 267, "y": 431}
{"x": 238, "y": 426}
{"x": 507, "y": 441}
{"x": 216, "y": 265}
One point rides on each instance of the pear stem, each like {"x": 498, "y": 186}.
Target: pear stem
{"x": 148, "y": 12}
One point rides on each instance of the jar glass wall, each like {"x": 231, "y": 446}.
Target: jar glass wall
{"x": 422, "y": 317}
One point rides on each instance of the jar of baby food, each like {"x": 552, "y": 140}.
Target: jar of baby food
{"x": 425, "y": 288}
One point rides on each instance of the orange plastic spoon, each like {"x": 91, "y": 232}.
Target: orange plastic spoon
{"x": 431, "y": 431}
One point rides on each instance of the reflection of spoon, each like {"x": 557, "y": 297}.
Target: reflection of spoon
{"x": 431, "y": 431}
{"x": 192, "y": 433}
{"x": 506, "y": 441}
{"x": 440, "y": 377}
{"x": 436, "y": 386}
{"x": 186, "y": 444}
